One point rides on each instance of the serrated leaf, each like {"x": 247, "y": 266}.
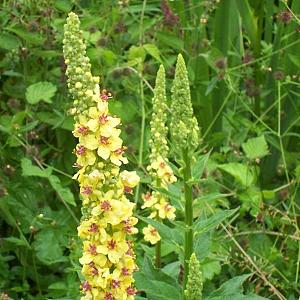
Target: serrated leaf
{"x": 28, "y": 169}
{"x": 63, "y": 192}
{"x": 41, "y": 91}
{"x": 242, "y": 174}
{"x": 47, "y": 247}
{"x": 256, "y": 147}
{"x": 210, "y": 269}
{"x": 153, "y": 51}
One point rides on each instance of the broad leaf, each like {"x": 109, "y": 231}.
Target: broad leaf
{"x": 28, "y": 169}
{"x": 256, "y": 147}
{"x": 242, "y": 174}
{"x": 41, "y": 91}
{"x": 204, "y": 225}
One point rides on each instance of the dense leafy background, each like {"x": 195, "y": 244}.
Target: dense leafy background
{"x": 243, "y": 62}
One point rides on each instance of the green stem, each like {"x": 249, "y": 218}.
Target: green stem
{"x": 188, "y": 195}
{"x": 158, "y": 255}
{"x": 143, "y": 111}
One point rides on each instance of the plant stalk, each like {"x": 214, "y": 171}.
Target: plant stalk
{"x": 158, "y": 254}
{"x": 188, "y": 195}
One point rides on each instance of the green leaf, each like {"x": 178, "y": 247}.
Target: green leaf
{"x": 295, "y": 60}
{"x": 28, "y": 169}
{"x": 153, "y": 51}
{"x": 210, "y": 268}
{"x": 199, "y": 166}
{"x": 41, "y": 91}
{"x": 233, "y": 290}
{"x": 202, "y": 245}
{"x": 217, "y": 218}
{"x": 47, "y": 246}
{"x": 16, "y": 241}
{"x": 63, "y": 192}
{"x": 154, "y": 290}
{"x": 153, "y": 281}
{"x": 30, "y": 37}
{"x": 256, "y": 147}
{"x": 63, "y": 5}
{"x": 242, "y": 174}
{"x": 136, "y": 54}
{"x": 170, "y": 40}
{"x": 9, "y": 41}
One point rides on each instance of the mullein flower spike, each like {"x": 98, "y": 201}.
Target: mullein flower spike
{"x": 108, "y": 260}
{"x": 161, "y": 173}
{"x": 194, "y": 284}
{"x": 184, "y": 126}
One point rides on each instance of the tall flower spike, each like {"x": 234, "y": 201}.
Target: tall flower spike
{"x": 161, "y": 173}
{"x": 194, "y": 285}
{"x": 184, "y": 126}
{"x": 159, "y": 129}
{"x": 108, "y": 260}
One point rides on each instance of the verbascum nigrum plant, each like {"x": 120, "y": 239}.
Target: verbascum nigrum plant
{"x": 184, "y": 126}
{"x": 186, "y": 138}
{"x": 108, "y": 260}
{"x": 159, "y": 169}
{"x": 194, "y": 284}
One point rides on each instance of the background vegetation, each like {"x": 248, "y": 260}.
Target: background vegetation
{"x": 243, "y": 62}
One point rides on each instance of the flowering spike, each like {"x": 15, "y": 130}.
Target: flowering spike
{"x": 159, "y": 129}
{"x": 194, "y": 284}
{"x": 184, "y": 126}
{"x": 108, "y": 260}
{"x": 161, "y": 173}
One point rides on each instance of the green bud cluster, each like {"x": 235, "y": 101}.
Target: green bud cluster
{"x": 184, "y": 126}
{"x": 194, "y": 284}
{"x": 159, "y": 130}
{"x": 81, "y": 82}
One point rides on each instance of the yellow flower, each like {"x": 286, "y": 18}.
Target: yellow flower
{"x": 129, "y": 179}
{"x": 114, "y": 211}
{"x": 117, "y": 157}
{"x": 91, "y": 254}
{"x": 151, "y": 234}
{"x": 163, "y": 170}
{"x": 149, "y": 199}
{"x": 85, "y": 157}
{"x": 92, "y": 228}
{"x": 114, "y": 247}
{"x": 165, "y": 210}
{"x": 109, "y": 144}
{"x": 108, "y": 258}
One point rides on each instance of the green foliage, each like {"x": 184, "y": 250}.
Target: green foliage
{"x": 42, "y": 91}
{"x": 256, "y": 148}
{"x": 242, "y": 68}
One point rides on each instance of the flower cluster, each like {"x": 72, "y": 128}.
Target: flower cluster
{"x": 194, "y": 284}
{"x": 108, "y": 260}
{"x": 159, "y": 169}
{"x": 184, "y": 126}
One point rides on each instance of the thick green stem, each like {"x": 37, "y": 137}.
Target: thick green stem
{"x": 188, "y": 195}
{"x": 158, "y": 254}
